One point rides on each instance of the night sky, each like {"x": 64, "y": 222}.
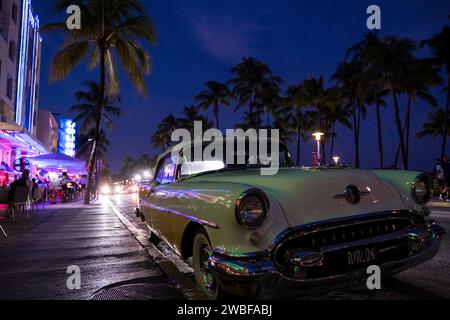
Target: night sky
{"x": 200, "y": 40}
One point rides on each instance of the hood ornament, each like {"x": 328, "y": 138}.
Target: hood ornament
{"x": 352, "y": 194}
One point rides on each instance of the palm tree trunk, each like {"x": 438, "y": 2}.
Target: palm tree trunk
{"x": 398, "y": 122}
{"x": 397, "y": 154}
{"x": 356, "y": 135}
{"x": 323, "y": 158}
{"x": 298, "y": 149}
{"x": 408, "y": 130}
{"x": 332, "y": 142}
{"x": 445, "y": 129}
{"x": 216, "y": 114}
{"x": 258, "y": 114}
{"x": 380, "y": 136}
{"x": 92, "y": 160}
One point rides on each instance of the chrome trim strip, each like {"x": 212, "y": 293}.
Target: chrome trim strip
{"x": 352, "y": 220}
{"x": 194, "y": 219}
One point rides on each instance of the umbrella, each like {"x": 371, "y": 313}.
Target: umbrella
{"x": 55, "y": 161}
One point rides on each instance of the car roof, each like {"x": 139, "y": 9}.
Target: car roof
{"x": 184, "y": 145}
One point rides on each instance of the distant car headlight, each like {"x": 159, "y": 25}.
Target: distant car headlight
{"x": 118, "y": 189}
{"x": 106, "y": 190}
{"x": 252, "y": 208}
{"x": 422, "y": 189}
{"x": 134, "y": 189}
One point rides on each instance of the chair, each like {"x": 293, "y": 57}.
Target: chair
{"x": 3, "y": 231}
{"x": 4, "y": 196}
{"x": 38, "y": 197}
{"x": 21, "y": 198}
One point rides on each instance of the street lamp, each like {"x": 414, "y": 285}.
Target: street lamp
{"x": 147, "y": 174}
{"x": 318, "y": 136}
{"x": 138, "y": 177}
{"x": 336, "y": 160}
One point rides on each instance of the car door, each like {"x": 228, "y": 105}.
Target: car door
{"x": 159, "y": 217}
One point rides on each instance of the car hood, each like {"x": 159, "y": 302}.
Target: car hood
{"x": 313, "y": 195}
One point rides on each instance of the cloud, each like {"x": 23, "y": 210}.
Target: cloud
{"x": 226, "y": 38}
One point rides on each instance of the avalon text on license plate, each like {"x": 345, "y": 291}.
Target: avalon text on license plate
{"x": 361, "y": 256}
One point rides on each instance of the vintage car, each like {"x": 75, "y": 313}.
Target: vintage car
{"x": 302, "y": 229}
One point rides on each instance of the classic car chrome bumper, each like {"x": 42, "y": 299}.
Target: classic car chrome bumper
{"x": 259, "y": 276}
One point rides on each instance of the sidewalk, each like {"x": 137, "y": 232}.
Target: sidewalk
{"x": 436, "y": 203}
{"x": 35, "y": 256}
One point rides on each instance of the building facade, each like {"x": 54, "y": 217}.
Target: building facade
{"x": 10, "y": 26}
{"x": 20, "y": 60}
{"x": 48, "y": 130}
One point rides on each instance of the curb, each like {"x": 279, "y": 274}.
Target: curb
{"x": 185, "y": 282}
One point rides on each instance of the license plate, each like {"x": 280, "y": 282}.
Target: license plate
{"x": 361, "y": 256}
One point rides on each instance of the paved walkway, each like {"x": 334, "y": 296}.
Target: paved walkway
{"x": 35, "y": 257}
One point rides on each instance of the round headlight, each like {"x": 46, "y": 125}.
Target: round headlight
{"x": 421, "y": 189}
{"x": 252, "y": 208}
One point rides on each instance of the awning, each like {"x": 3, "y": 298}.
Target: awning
{"x": 57, "y": 162}
{"x": 17, "y": 135}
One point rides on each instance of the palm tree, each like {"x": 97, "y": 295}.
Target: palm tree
{"x": 392, "y": 57}
{"x": 162, "y": 138}
{"x": 291, "y": 121}
{"x": 127, "y": 170}
{"x": 190, "y": 116}
{"x": 85, "y": 142}
{"x": 111, "y": 30}
{"x": 433, "y": 128}
{"x": 88, "y": 112}
{"x": 361, "y": 85}
{"x": 248, "y": 121}
{"x": 216, "y": 95}
{"x": 440, "y": 45}
{"x": 337, "y": 114}
{"x": 419, "y": 76}
{"x": 251, "y": 77}
{"x": 271, "y": 101}
{"x": 375, "y": 95}
{"x": 315, "y": 95}
{"x": 301, "y": 124}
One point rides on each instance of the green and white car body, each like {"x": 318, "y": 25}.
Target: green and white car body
{"x": 321, "y": 226}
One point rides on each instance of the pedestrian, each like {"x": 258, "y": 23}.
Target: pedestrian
{"x": 446, "y": 171}
{"x": 83, "y": 183}
{"x": 440, "y": 178}
{"x": 23, "y": 181}
{"x": 64, "y": 181}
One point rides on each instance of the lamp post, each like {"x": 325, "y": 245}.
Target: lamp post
{"x": 318, "y": 136}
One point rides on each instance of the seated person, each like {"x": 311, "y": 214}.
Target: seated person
{"x": 22, "y": 182}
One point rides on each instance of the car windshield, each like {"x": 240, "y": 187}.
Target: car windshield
{"x": 233, "y": 156}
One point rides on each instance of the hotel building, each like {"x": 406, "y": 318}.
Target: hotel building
{"x": 20, "y": 60}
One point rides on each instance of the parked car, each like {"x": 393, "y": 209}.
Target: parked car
{"x": 299, "y": 230}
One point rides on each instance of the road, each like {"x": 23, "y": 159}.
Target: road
{"x": 427, "y": 281}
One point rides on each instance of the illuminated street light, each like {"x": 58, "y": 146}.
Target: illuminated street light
{"x": 138, "y": 177}
{"x": 147, "y": 174}
{"x": 318, "y": 136}
{"x": 336, "y": 160}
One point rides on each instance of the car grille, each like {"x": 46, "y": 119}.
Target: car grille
{"x": 337, "y": 234}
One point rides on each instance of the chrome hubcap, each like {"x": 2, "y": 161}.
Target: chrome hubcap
{"x": 209, "y": 280}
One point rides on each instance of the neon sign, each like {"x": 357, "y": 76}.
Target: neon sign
{"x": 67, "y": 137}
